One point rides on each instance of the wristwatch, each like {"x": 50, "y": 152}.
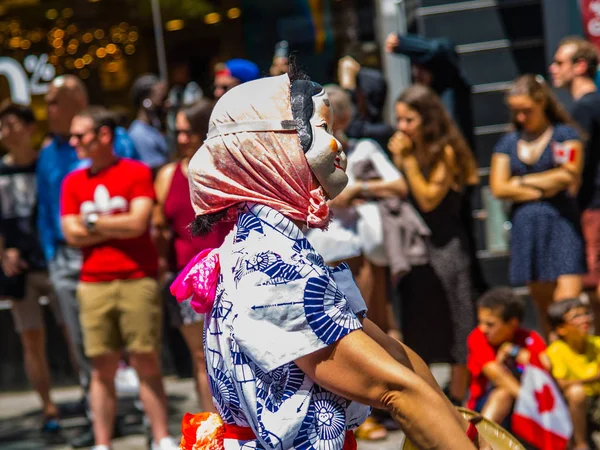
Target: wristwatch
{"x": 90, "y": 221}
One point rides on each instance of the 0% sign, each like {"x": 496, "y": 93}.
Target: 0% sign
{"x": 31, "y": 78}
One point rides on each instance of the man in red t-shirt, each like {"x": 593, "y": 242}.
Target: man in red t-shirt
{"x": 497, "y": 351}
{"x": 105, "y": 210}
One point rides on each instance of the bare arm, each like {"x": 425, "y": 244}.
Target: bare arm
{"x": 500, "y": 376}
{"x": 369, "y": 189}
{"x": 506, "y": 189}
{"x": 161, "y": 232}
{"x": 345, "y": 198}
{"x": 429, "y": 192}
{"x": 127, "y": 225}
{"x": 564, "y": 384}
{"x": 405, "y": 356}
{"x": 386, "y": 189}
{"x": 559, "y": 179}
{"x": 359, "y": 369}
{"x": 77, "y": 235}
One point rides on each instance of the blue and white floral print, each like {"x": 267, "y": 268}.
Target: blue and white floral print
{"x": 277, "y": 301}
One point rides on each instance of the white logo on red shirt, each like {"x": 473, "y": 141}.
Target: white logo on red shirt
{"x": 103, "y": 203}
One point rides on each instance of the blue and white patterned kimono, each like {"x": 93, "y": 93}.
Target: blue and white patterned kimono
{"x": 277, "y": 301}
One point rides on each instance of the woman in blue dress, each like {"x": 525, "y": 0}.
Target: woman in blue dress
{"x": 538, "y": 167}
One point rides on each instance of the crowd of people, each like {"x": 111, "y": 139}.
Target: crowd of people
{"x": 100, "y": 221}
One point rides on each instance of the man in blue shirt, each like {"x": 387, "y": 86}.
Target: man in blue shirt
{"x": 150, "y": 98}
{"x": 66, "y": 97}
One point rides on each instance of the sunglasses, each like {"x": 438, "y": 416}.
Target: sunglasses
{"x": 80, "y": 136}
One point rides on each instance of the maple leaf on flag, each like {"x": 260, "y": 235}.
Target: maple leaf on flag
{"x": 545, "y": 399}
{"x": 541, "y": 416}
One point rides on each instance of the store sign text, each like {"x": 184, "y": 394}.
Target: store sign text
{"x": 30, "y": 78}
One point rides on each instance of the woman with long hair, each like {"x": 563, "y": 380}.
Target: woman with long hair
{"x": 538, "y": 168}
{"x": 172, "y": 215}
{"x": 437, "y": 306}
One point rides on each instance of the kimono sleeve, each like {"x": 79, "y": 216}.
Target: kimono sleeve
{"x": 287, "y": 309}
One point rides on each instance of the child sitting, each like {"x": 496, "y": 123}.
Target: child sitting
{"x": 575, "y": 359}
{"x": 497, "y": 351}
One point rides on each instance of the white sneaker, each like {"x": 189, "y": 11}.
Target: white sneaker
{"x": 100, "y": 447}
{"x": 166, "y": 443}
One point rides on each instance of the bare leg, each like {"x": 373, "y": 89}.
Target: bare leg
{"x": 103, "y": 396}
{"x": 72, "y": 355}
{"x": 36, "y": 367}
{"x": 577, "y": 402}
{"x": 152, "y": 392}
{"x": 459, "y": 380}
{"x": 498, "y": 405}
{"x": 393, "y": 327}
{"x": 378, "y": 305}
{"x": 568, "y": 286}
{"x": 361, "y": 269}
{"x": 594, "y": 296}
{"x": 542, "y": 296}
{"x": 193, "y": 338}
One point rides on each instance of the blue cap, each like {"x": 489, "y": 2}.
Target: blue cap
{"x": 242, "y": 69}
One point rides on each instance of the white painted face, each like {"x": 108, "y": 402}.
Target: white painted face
{"x": 325, "y": 157}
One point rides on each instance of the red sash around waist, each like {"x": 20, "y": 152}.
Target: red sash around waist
{"x": 239, "y": 433}
{"x": 246, "y": 434}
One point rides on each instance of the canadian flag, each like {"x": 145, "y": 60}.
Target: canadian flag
{"x": 562, "y": 153}
{"x": 541, "y": 416}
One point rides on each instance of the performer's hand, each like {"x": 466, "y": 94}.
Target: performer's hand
{"x": 348, "y": 69}
{"x": 391, "y": 42}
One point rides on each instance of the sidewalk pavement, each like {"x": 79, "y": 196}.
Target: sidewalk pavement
{"x": 20, "y": 419}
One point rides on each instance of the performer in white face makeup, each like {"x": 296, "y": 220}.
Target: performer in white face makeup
{"x": 323, "y": 152}
{"x": 292, "y": 360}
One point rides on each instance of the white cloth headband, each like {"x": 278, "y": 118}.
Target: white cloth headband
{"x": 251, "y": 125}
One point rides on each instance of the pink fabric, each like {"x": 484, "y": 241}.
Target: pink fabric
{"x": 198, "y": 281}
{"x": 265, "y": 167}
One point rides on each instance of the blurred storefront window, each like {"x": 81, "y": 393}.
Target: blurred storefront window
{"x": 107, "y": 43}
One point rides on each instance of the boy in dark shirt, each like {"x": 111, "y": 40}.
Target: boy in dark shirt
{"x": 23, "y": 276}
{"x": 574, "y": 68}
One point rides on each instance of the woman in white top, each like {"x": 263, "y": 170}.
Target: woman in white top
{"x": 355, "y": 214}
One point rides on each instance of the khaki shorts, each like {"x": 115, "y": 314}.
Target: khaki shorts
{"x": 27, "y": 312}
{"x": 120, "y": 314}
